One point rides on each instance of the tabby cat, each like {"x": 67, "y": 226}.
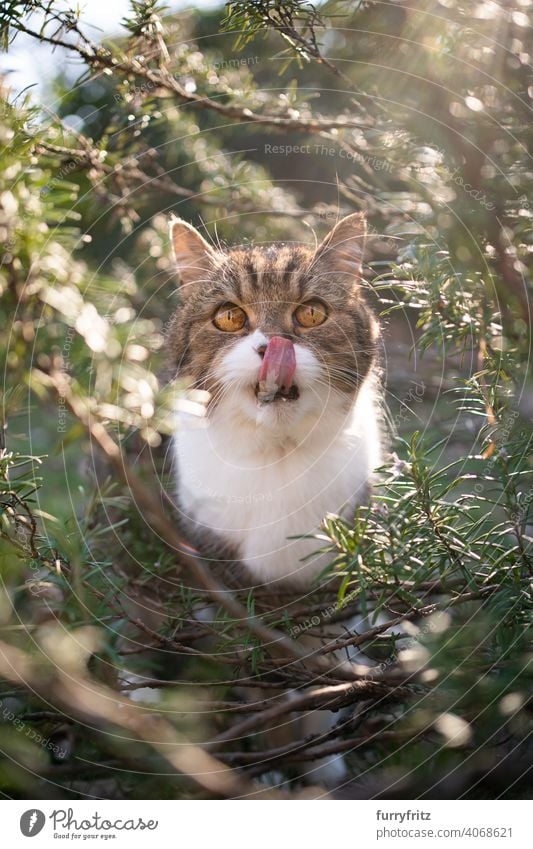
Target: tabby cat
{"x": 282, "y": 339}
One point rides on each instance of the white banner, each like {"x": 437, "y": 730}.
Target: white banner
{"x": 357, "y": 824}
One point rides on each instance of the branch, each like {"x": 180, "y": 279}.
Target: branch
{"x": 322, "y": 698}
{"x": 309, "y": 750}
{"x": 100, "y": 58}
{"x": 89, "y": 701}
{"x": 415, "y": 612}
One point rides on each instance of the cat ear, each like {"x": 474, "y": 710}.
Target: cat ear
{"x": 194, "y": 257}
{"x": 343, "y": 248}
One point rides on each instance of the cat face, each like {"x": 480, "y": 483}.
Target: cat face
{"x": 275, "y": 334}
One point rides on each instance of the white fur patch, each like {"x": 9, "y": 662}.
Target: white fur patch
{"x": 258, "y": 475}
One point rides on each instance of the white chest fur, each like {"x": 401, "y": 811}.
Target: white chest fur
{"x": 256, "y": 492}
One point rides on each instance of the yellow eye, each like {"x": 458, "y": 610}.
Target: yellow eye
{"x": 229, "y": 318}
{"x": 311, "y": 314}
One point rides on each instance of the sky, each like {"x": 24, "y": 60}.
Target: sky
{"x": 29, "y": 63}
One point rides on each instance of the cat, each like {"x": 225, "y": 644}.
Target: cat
{"x": 285, "y": 344}
{"x": 261, "y": 469}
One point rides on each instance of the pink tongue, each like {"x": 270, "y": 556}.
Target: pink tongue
{"x": 278, "y": 366}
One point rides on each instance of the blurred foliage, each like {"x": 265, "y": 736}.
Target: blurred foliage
{"x": 418, "y": 114}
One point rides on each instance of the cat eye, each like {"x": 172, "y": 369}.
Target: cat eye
{"x": 229, "y": 318}
{"x": 311, "y": 314}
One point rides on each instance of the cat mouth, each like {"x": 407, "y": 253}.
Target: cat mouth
{"x": 292, "y": 394}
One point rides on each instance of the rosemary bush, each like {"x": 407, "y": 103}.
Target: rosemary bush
{"x": 102, "y": 599}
